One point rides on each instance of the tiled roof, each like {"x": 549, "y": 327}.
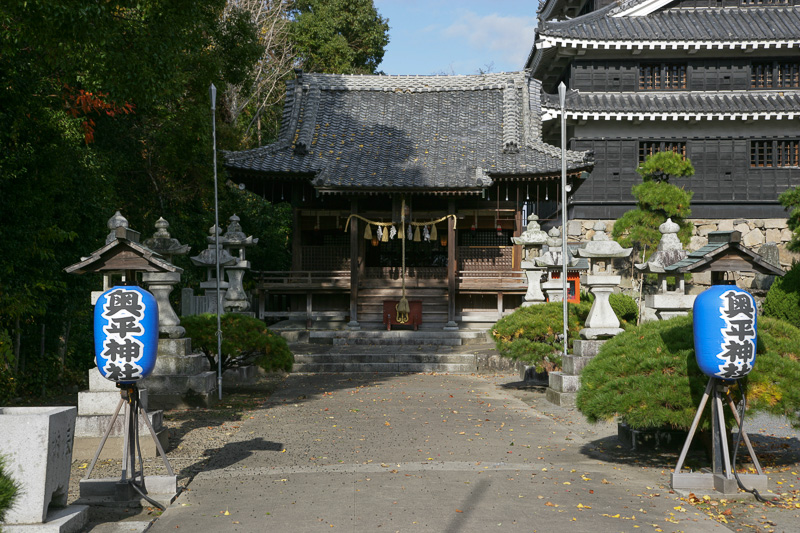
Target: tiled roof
{"x": 665, "y": 104}
{"x": 409, "y": 132}
{"x": 681, "y": 25}
{"x": 725, "y": 247}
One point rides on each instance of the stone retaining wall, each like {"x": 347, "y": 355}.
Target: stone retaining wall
{"x": 755, "y": 233}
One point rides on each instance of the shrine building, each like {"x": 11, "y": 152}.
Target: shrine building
{"x": 436, "y": 173}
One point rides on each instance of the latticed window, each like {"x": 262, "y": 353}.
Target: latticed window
{"x": 761, "y": 154}
{"x": 789, "y": 74}
{"x": 650, "y": 77}
{"x": 648, "y": 148}
{"x": 761, "y": 76}
{"x": 763, "y": 2}
{"x": 662, "y": 76}
{"x": 675, "y": 76}
{"x": 788, "y": 153}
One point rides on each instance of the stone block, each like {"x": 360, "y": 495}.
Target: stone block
{"x": 753, "y": 238}
{"x": 786, "y": 235}
{"x": 701, "y": 278}
{"x": 103, "y": 403}
{"x": 177, "y": 347}
{"x": 773, "y": 235}
{"x": 670, "y": 302}
{"x": 71, "y": 519}
{"x": 561, "y": 382}
{"x": 240, "y": 376}
{"x": 180, "y": 365}
{"x": 587, "y": 348}
{"x": 742, "y": 227}
{"x": 697, "y": 242}
{"x": 86, "y": 447}
{"x": 775, "y": 223}
{"x": 574, "y": 228}
{"x": 97, "y": 383}
{"x": 757, "y": 223}
{"x": 37, "y": 444}
{"x": 725, "y": 225}
{"x": 110, "y": 491}
{"x": 97, "y": 425}
{"x": 573, "y": 364}
{"x": 705, "y": 229}
{"x": 561, "y": 399}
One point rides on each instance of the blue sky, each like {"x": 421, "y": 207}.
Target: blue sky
{"x": 457, "y": 37}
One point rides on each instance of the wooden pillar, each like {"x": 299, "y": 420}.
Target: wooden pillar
{"x": 297, "y": 241}
{"x": 518, "y": 225}
{"x": 452, "y": 267}
{"x": 354, "y": 243}
{"x": 499, "y": 305}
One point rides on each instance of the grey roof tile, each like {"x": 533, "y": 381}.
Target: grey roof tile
{"x": 408, "y": 132}
{"x": 678, "y": 102}
{"x": 729, "y": 24}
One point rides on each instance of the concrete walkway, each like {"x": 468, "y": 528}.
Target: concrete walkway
{"x": 442, "y": 453}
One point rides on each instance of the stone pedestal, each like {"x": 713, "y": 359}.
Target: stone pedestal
{"x": 554, "y": 289}
{"x": 534, "y": 293}
{"x": 235, "y": 298}
{"x": 180, "y": 378}
{"x": 602, "y": 322}
{"x": 96, "y": 409}
{"x": 563, "y": 386}
{"x": 160, "y": 284}
{"x": 668, "y": 305}
{"x": 214, "y": 298}
{"x": 37, "y": 444}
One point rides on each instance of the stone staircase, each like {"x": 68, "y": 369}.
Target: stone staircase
{"x": 377, "y": 351}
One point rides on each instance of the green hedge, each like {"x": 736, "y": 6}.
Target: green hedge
{"x": 8, "y": 490}
{"x": 245, "y": 340}
{"x": 529, "y": 333}
{"x": 783, "y": 297}
{"x": 648, "y": 375}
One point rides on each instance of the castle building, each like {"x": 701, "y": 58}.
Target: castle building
{"x": 715, "y": 80}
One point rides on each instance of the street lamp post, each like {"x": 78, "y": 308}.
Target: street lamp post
{"x": 213, "y": 94}
{"x": 562, "y": 94}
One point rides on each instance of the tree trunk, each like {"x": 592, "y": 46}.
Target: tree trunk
{"x": 17, "y": 340}
{"x": 63, "y": 342}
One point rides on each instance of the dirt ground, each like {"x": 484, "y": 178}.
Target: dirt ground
{"x": 195, "y": 434}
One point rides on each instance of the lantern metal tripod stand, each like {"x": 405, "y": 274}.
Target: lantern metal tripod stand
{"x": 723, "y": 478}
{"x": 131, "y": 477}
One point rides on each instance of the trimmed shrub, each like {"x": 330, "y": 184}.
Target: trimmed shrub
{"x": 624, "y": 306}
{"x": 530, "y": 333}
{"x": 245, "y": 340}
{"x": 783, "y": 297}
{"x": 648, "y": 375}
{"x": 8, "y": 490}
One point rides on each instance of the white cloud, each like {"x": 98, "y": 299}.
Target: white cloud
{"x": 510, "y": 38}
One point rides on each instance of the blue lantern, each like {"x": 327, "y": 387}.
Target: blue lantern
{"x": 126, "y": 334}
{"x": 725, "y": 332}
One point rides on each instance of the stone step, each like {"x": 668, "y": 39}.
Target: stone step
{"x": 373, "y": 358}
{"x": 397, "y": 337}
{"x": 388, "y": 368}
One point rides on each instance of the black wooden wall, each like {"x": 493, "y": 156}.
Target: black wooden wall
{"x": 724, "y": 184}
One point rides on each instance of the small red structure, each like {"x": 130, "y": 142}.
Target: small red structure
{"x": 390, "y": 314}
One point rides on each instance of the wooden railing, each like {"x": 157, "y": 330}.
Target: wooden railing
{"x": 291, "y": 279}
{"x": 491, "y": 280}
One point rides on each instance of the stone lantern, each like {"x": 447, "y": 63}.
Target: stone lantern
{"x": 602, "y": 322}
{"x": 208, "y": 259}
{"x": 531, "y": 241}
{"x": 666, "y": 303}
{"x": 552, "y": 262}
{"x": 234, "y": 239}
{"x": 162, "y": 283}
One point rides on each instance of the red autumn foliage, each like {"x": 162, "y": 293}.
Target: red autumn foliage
{"x": 85, "y": 103}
